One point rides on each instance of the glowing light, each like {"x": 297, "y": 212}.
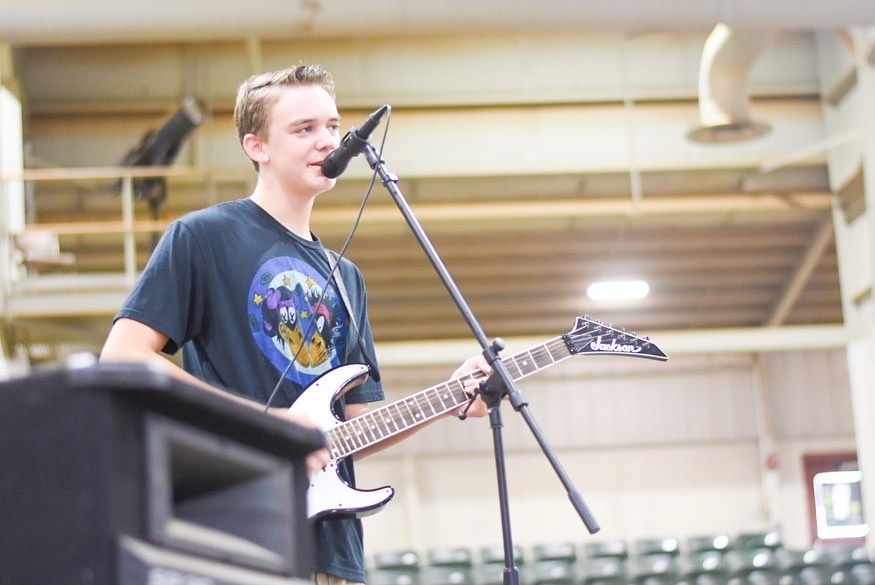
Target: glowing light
{"x": 618, "y": 290}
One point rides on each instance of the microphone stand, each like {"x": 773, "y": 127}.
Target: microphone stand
{"x": 495, "y": 387}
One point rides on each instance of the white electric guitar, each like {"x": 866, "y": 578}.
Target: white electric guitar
{"x": 329, "y": 494}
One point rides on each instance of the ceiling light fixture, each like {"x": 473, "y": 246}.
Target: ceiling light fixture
{"x": 618, "y": 290}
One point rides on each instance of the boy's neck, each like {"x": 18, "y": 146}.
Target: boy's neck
{"x": 292, "y": 212}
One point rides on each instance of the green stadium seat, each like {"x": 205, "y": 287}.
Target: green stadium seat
{"x": 446, "y": 575}
{"x": 494, "y": 554}
{"x": 657, "y": 546}
{"x": 451, "y": 565}
{"x": 451, "y": 556}
{"x": 396, "y": 559}
{"x": 394, "y": 567}
{"x": 393, "y": 576}
{"x": 802, "y": 567}
{"x": 755, "y": 566}
{"x": 554, "y": 551}
{"x": 754, "y": 540}
{"x": 653, "y": 569}
{"x": 862, "y": 574}
{"x": 849, "y": 565}
{"x": 551, "y": 572}
{"x": 701, "y": 568}
{"x": 708, "y": 542}
{"x": 844, "y": 557}
{"x": 491, "y": 574}
{"x": 552, "y": 563}
{"x": 607, "y": 570}
{"x": 490, "y": 569}
{"x": 606, "y": 548}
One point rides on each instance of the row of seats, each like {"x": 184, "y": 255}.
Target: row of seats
{"x": 746, "y": 559}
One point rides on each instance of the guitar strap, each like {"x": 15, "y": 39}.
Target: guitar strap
{"x": 341, "y": 288}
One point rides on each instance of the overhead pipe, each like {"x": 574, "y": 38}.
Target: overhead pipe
{"x": 724, "y": 104}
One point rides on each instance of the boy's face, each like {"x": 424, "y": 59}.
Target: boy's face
{"x": 304, "y": 127}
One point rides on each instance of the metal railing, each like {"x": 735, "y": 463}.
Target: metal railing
{"x": 126, "y": 225}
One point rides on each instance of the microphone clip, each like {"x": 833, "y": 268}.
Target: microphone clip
{"x": 352, "y": 144}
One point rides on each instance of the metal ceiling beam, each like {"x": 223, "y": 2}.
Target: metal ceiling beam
{"x": 587, "y": 207}
{"x": 799, "y": 279}
{"x": 60, "y": 21}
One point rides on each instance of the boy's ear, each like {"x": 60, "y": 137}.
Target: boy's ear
{"x": 253, "y": 146}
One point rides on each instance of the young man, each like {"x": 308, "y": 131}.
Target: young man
{"x": 241, "y": 287}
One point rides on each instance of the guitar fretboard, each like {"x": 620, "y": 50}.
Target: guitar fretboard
{"x": 396, "y": 417}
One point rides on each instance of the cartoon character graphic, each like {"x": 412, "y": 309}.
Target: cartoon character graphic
{"x": 282, "y": 318}
{"x": 295, "y": 319}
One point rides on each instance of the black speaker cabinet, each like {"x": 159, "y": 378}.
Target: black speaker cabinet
{"x": 114, "y": 473}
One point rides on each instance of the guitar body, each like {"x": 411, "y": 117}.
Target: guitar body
{"x": 328, "y": 492}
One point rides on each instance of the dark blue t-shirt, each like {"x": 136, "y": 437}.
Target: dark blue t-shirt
{"x": 244, "y": 298}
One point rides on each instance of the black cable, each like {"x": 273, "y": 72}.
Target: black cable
{"x": 340, "y": 256}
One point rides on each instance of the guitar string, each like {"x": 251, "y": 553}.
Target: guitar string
{"x": 335, "y": 268}
{"x": 542, "y": 356}
{"x": 378, "y": 428}
{"x": 436, "y": 397}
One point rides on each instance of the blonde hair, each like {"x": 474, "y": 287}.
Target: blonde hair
{"x": 257, "y": 95}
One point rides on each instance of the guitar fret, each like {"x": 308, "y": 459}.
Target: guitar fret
{"x": 443, "y": 396}
{"x": 527, "y": 364}
{"x": 398, "y": 416}
{"x": 405, "y": 414}
{"x": 415, "y": 411}
{"x": 340, "y": 446}
{"x": 425, "y": 400}
{"x": 361, "y": 440}
{"x": 349, "y": 438}
{"x": 332, "y": 446}
{"x": 545, "y": 358}
{"x": 422, "y": 402}
{"x": 432, "y": 399}
{"x": 373, "y": 427}
{"x": 392, "y": 418}
{"x": 458, "y": 393}
{"x": 395, "y": 418}
{"x": 345, "y": 438}
{"x": 437, "y": 400}
{"x": 514, "y": 367}
{"x": 447, "y": 396}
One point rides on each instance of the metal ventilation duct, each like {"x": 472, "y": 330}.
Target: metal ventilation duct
{"x": 724, "y": 104}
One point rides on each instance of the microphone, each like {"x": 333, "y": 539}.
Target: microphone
{"x": 352, "y": 145}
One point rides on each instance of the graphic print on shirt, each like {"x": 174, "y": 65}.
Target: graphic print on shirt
{"x": 289, "y": 322}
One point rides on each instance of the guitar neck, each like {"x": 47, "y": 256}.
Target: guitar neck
{"x": 396, "y": 417}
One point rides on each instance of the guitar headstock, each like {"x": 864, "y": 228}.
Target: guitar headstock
{"x": 593, "y": 337}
